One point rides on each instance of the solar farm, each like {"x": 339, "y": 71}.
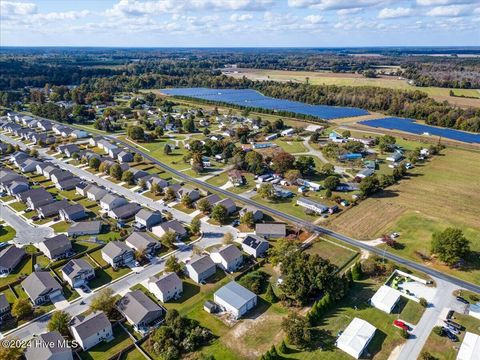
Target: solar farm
{"x": 411, "y": 126}
{"x": 252, "y": 98}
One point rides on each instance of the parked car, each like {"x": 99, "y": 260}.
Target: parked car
{"x": 450, "y": 314}
{"x": 455, "y": 325}
{"x": 35, "y": 218}
{"x": 462, "y": 300}
{"x": 401, "y": 325}
{"x": 450, "y": 335}
{"x": 453, "y": 329}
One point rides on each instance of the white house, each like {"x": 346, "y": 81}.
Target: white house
{"x": 90, "y": 330}
{"x": 201, "y": 268}
{"x": 356, "y": 337}
{"x": 255, "y": 245}
{"x": 167, "y": 286}
{"x": 78, "y": 272}
{"x": 287, "y": 132}
{"x": 228, "y": 257}
{"x": 385, "y": 298}
{"x": 235, "y": 299}
{"x": 110, "y": 202}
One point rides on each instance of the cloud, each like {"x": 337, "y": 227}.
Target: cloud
{"x": 59, "y": 16}
{"x": 451, "y": 10}
{"x": 10, "y": 8}
{"x": 314, "y": 19}
{"x": 240, "y": 17}
{"x": 444, "y": 2}
{"x": 396, "y": 13}
{"x": 334, "y": 4}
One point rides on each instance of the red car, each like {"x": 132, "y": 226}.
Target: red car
{"x": 400, "y": 324}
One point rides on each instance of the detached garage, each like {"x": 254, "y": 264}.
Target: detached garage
{"x": 356, "y": 337}
{"x": 470, "y": 347}
{"x": 235, "y": 299}
{"x": 385, "y": 298}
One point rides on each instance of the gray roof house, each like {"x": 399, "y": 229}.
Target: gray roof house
{"x": 49, "y": 346}
{"x": 85, "y": 228}
{"x": 155, "y": 179}
{"x": 229, "y": 204}
{"x": 125, "y": 157}
{"x": 77, "y": 272}
{"x": 38, "y": 197}
{"x": 142, "y": 242}
{"x": 110, "y": 202}
{"x": 228, "y": 257}
{"x": 257, "y": 214}
{"x": 10, "y": 257}
{"x": 255, "y": 245}
{"x": 56, "y": 247}
{"x": 140, "y": 311}
{"x": 147, "y": 219}
{"x": 312, "y": 205}
{"x": 29, "y": 165}
{"x": 191, "y": 192}
{"x": 52, "y": 208}
{"x": 166, "y": 287}
{"x": 271, "y": 230}
{"x": 16, "y": 187}
{"x": 125, "y": 211}
{"x": 95, "y": 192}
{"x": 72, "y": 213}
{"x": 212, "y": 199}
{"x": 68, "y": 184}
{"x": 4, "y": 308}
{"x": 235, "y": 299}
{"x": 92, "y": 329}
{"x": 41, "y": 287}
{"x": 117, "y": 253}
{"x": 59, "y": 175}
{"x": 172, "y": 226}
{"x": 200, "y": 268}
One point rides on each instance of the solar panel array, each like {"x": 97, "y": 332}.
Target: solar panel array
{"x": 411, "y": 126}
{"x": 67, "y": 269}
{"x": 252, "y": 98}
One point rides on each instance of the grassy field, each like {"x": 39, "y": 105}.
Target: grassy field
{"x": 337, "y": 254}
{"x": 442, "y": 193}
{"x": 291, "y": 146}
{"x": 328, "y": 78}
{"x": 23, "y": 268}
{"x": 442, "y": 348}
{"x": 7, "y": 233}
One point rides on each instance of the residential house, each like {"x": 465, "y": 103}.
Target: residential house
{"x": 167, "y": 286}
{"x": 79, "y": 134}
{"x": 38, "y": 197}
{"x": 68, "y": 184}
{"x": 29, "y": 165}
{"x": 228, "y": 257}
{"x": 52, "y": 209}
{"x": 142, "y": 242}
{"x": 48, "y": 346}
{"x": 366, "y": 172}
{"x": 125, "y": 157}
{"x": 85, "y": 228}
{"x": 228, "y": 204}
{"x": 111, "y": 201}
{"x": 287, "y": 132}
{"x": 81, "y": 188}
{"x": 4, "y": 308}
{"x": 60, "y": 175}
{"x": 17, "y": 187}
{"x": 271, "y": 230}
{"x": 257, "y": 214}
{"x": 94, "y": 140}
{"x": 255, "y": 246}
{"x": 236, "y": 178}
{"x": 186, "y": 190}
{"x": 155, "y": 179}
{"x": 146, "y": 219}
{"x": 312, "y": 205}
{"x": 44, "y": 125}
{"x": 172, "y": 226}
{"x": 91, "y": 329}
{"x": 117, "y": 253}
{"x": 97, "y": 193}
{"x": 41, "y": 287}
{"x": 140, "y": 311}
{"x": 137, "y": 174}
{"x": 212, "y": 199}
{"x": 200, "y": 268}
{"x": 57, "y": 247}
{"x": 77, "y": 272}
{"x": 125, "y": 211}
{"x": 235, "y": 299}
{"x": 48, "y": 170}
{"x": 10, "y": 257}
{"x": 72, "y": 213}
{"x": 69, "y": 149}
{"x": 395, "y": 156}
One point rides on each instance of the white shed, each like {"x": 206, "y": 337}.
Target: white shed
{"x": 385, "y": 298}
{"x": 470, "y": 348}
{"x": 356, "y": 337}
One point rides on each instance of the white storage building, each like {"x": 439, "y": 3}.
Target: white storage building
{"x": 385, "y": 298}
{"x": 470, "y": 348}
{"x": 356, "y": 337}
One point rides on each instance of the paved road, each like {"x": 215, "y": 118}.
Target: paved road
{"x": 409, "y": 263}
{"x": 442, "y": 300}
{"x": 26, "y": 232}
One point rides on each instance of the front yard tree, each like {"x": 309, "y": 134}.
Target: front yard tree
{"x": 328, "y": 169}
{"x": 127, "y": 177}
{"x": 204, "y": 205}
{"x": 386, "y": 142}
{"x": 267, "y": 191}
{"x": 305, "y": 164}
{"x": 115, "y": 171}
{"x": 298, "y": 330}
{"x": 142, "y": 184}
{"x": 135, "y": 132}
{"x": 195, "y": 226}
{"x": 173, "y": 265}
{"x": 103, "y": 301}
{"x": 59, "y": 322}
{"x": 219, "y": 213}
{"x": 186, "y": 200}
{"x": 103, "y": 168}
{"x": 168, "y": 239}
{"x": 227, "y": 238}
{"x": 292, "y": 176}
{"x": 450, "y": 245}
{"x": 169, "y": 194}
{"x": 254, "y": 161}
{"x": 369, "y": 185}
{"x": 137, "y": 158}
{"x": 282, "y": 162}
{"x": 248, "y": 219}
{"x": 155, "y": 189}
{"x": 94, "y": 163}
{"x": 167, "y": 149}
{"x": 21, "y": 308}
{"x": 197, "y": 163}
{"x": 331, "y": 182}
{"x": 11, "y": 352}
{"x": 189, "y": 125}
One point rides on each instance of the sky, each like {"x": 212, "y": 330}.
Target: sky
{"x": 239, "y": 23}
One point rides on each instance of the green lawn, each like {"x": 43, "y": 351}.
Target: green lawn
{"x": 133, "y": 355}
{"x": 183, "y": 208}
{"x": 60, "y": 227}
{"x": 337, "y": 254}
{"x": 18, "y": 206}
{"x": 288, "y": 206}
{"x": 24, "y": 268}
{"x": 7, "y": 233}
{"x": 291, "y": 146}
{"x": 104, "y": 351}
{"x": 411, "y": 311}
{"x": 97, "y": 256}
{"x": 7, "y": 198}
